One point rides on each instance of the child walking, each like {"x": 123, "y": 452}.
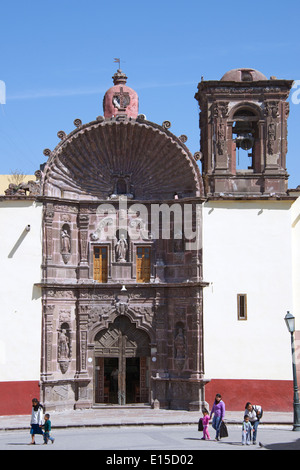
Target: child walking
{"x": 246, "y": 431}
{"x": 205, "y": 421}
{"x": 47, "y": 429}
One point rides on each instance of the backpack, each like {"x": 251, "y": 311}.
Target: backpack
{"x": 259, "y": 411}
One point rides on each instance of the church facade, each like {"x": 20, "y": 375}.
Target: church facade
{"x": 153, "y": 282}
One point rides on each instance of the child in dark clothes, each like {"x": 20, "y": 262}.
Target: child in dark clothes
{"x": 47, "y": 429}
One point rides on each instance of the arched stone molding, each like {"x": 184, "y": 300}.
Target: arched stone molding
{"x": 254, "y": 107}
{"x": 139, "y": 320}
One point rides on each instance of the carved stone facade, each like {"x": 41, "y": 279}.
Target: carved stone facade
{"x": 101, "y": 312}
{"x": 123, "y": 209}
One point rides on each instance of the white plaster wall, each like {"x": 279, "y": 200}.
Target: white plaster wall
{"x": 247, "y": 250}
{"x": 20, "y": 314}
{"x": 296, "y": 261}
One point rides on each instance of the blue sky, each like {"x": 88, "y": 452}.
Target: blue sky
{"x": 57, "y": 60}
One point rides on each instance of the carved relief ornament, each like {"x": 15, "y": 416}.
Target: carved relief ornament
{"x": 221, "y": 109}
{"x": 271, "y": 109}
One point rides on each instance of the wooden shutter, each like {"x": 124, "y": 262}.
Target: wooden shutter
{"x": 100, "y": 263}
{"x": 143, "y": 265}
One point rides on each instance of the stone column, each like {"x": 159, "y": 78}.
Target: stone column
{"x": 47, "y": 351}
{"x": 82, "y": 380}
{"x": 48, "y": 218}
{"x": 82, "y": 336}
{"x": 83, "y": 223}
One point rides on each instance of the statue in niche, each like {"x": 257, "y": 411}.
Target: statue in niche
{"x": 180, "y": 344}
{"x": 63, "y": 346}
{"x": 178, "y": 246}
{"x": 121, "y": 248}
{"x": 65, "y": 241}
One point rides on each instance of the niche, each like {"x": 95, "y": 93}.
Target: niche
{"x": 64, "y": 347}
{"x": 65, "y": 242}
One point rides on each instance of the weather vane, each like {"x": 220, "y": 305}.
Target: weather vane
{"x": 118, "y": 61}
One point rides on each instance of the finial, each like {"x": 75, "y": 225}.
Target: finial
{"x": 119, "y": 78}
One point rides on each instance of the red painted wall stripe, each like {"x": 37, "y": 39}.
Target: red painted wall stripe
{"x": 15, "y": 397}
{"x": 272, "y": 395}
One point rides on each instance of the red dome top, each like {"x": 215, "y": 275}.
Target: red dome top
{"x": 120, "y": 99}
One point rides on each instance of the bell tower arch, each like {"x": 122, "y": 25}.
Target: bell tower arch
{"x": 244, "y": 113}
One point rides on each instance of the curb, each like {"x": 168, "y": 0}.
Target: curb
{"x": 137, "y": 423}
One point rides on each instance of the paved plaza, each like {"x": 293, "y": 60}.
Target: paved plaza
{"x": 141, "y": 429}
{"x": 177, "y": 440}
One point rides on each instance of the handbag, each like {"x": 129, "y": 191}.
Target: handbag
{"x": 200, "y": 425}
{"x": 223, "y": 430}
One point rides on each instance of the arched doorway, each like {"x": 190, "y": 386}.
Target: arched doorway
{"x": 122, "y": 357}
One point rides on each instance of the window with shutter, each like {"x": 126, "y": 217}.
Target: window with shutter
{"x": 143, "y": 264}
{"x": 100, "y": 263}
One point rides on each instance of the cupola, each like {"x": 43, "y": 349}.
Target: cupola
{"x": 120, "y": 100}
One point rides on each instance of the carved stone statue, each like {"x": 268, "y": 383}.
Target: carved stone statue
{"x": 121, "y": 248}
{"x": 65, "y": 241}
{"x": 180, "y": 344}
{"x": 63, "y": 346}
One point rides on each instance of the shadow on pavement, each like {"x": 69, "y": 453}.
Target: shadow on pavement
{"x": 295, "y": 445}
{"x": 230, "y": 443}
{"x": 17, "y": 443}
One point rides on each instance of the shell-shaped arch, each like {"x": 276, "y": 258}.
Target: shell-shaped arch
{"x": 86, "y": 163}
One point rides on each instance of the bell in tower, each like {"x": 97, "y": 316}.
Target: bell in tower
{"x": 244, "y": 113}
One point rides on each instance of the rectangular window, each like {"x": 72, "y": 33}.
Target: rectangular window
{"x": 143, "y": 263}
{"x": 100, "y": 263}
{"x": 242, "y": 306}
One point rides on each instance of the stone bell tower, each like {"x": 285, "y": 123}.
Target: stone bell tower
{"x": 244, "y": 112}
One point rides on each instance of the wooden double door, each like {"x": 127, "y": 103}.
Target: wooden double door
{"x": 122, "y": 364}
{"x": 121, "y": 381}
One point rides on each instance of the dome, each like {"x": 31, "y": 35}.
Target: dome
{"x": 243, "y": 75}
{"x": 120, "y": 99}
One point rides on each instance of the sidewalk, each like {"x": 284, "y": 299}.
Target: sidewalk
{"x": 133, "y": 416}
